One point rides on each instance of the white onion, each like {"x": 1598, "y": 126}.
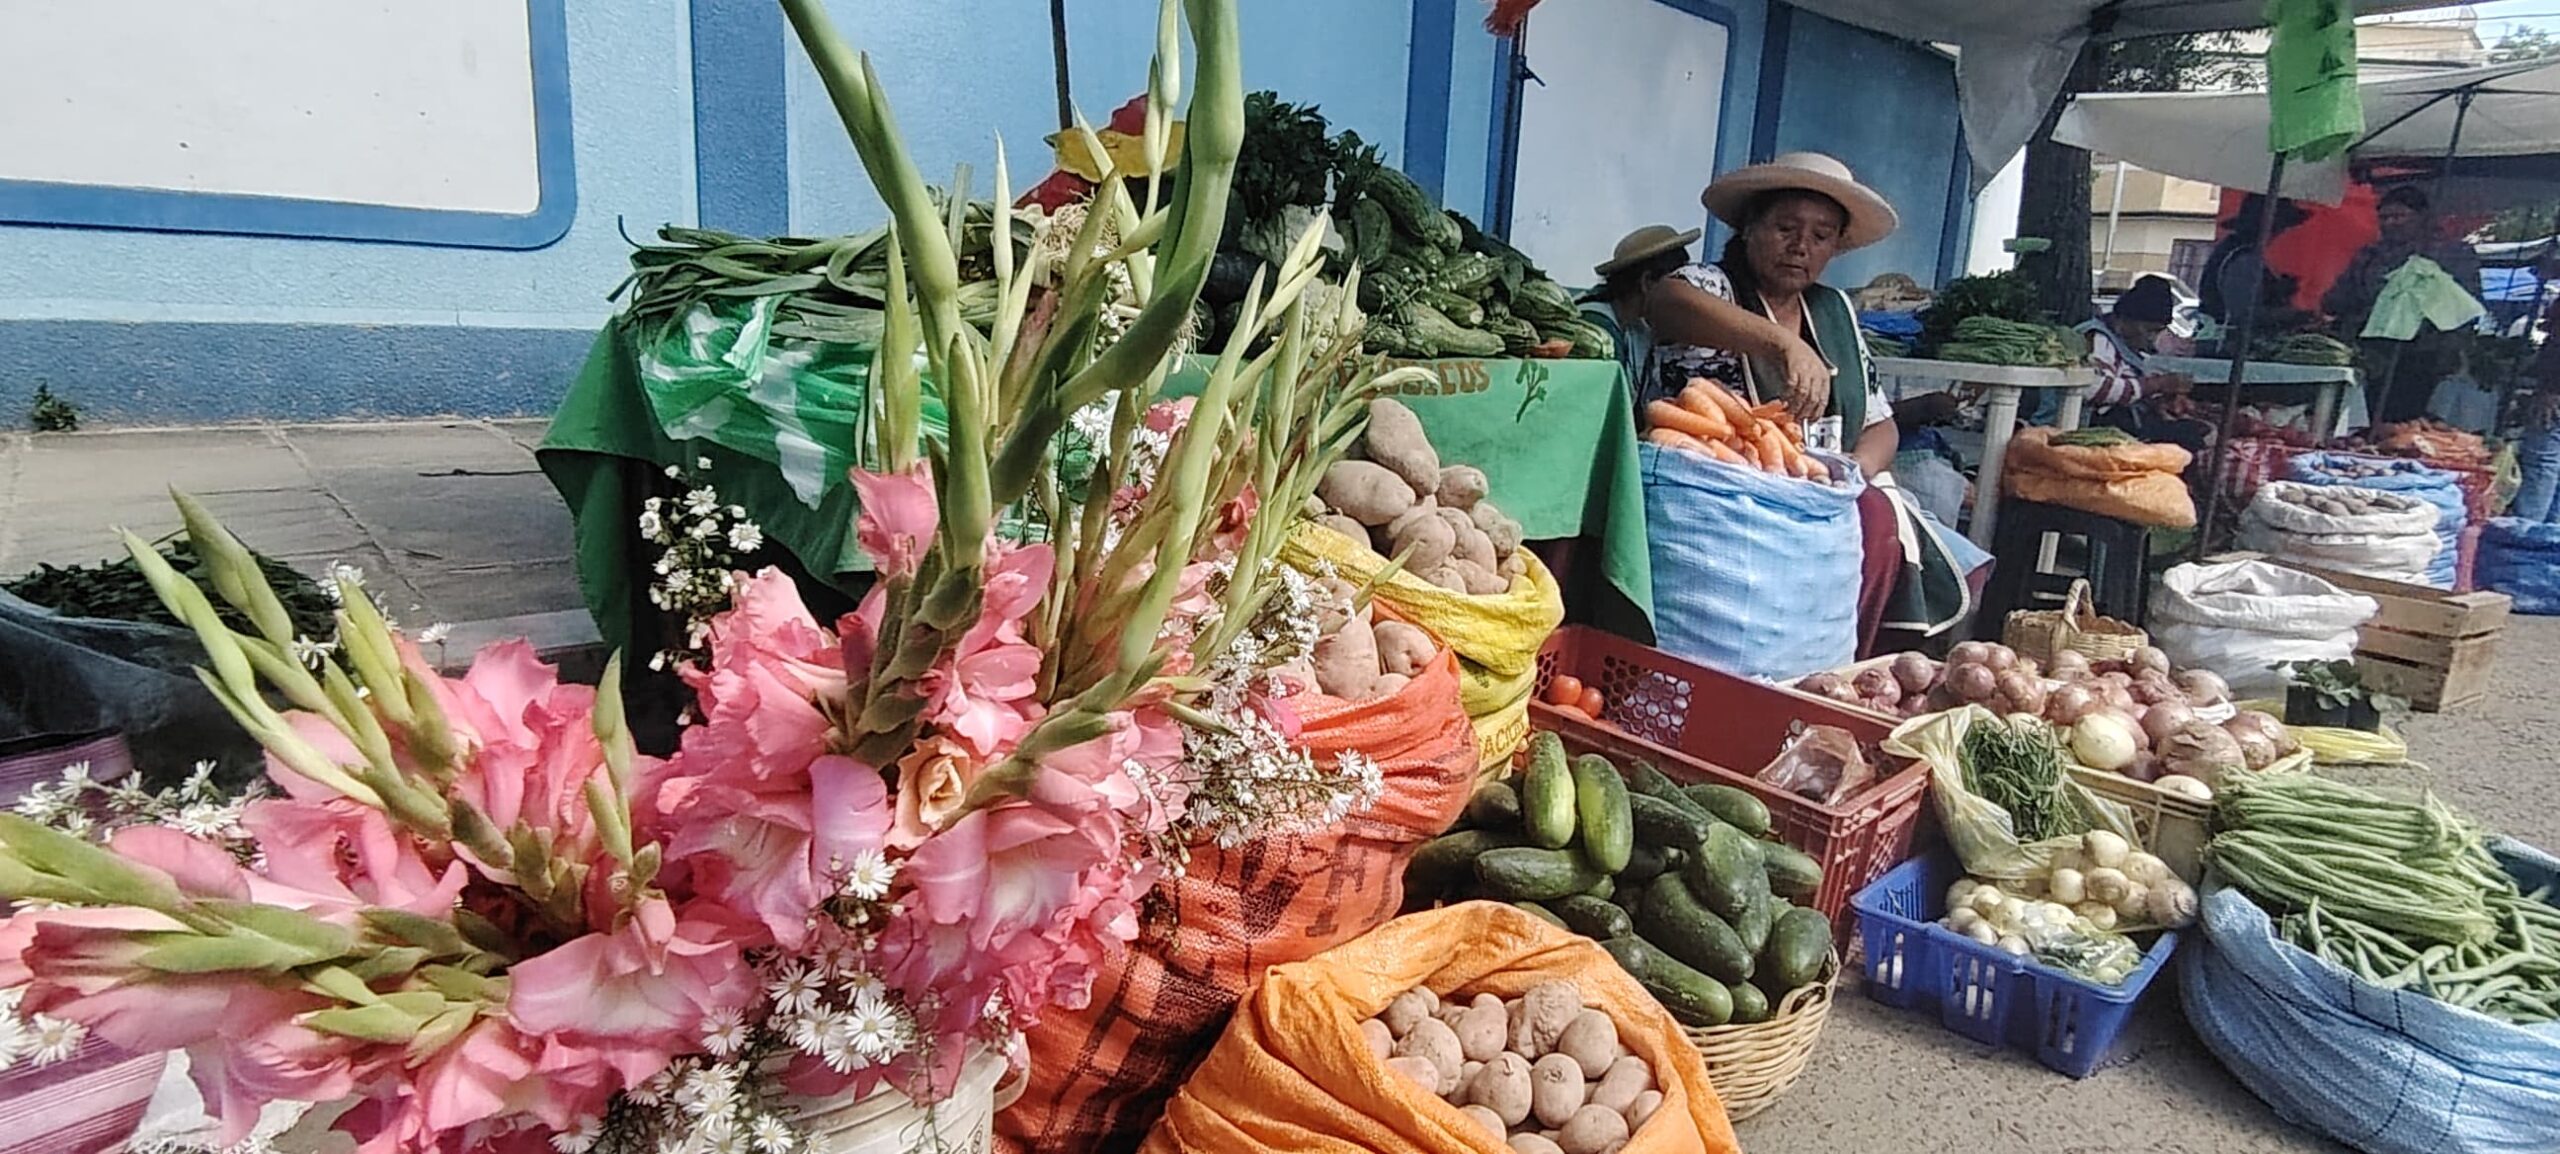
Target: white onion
{"x": 2166, "y": 718}
{"x": 2103, "y": 741}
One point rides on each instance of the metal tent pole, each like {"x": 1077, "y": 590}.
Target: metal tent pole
{"x": 2240, "y": 340}
{"x": 1058, "y": 64}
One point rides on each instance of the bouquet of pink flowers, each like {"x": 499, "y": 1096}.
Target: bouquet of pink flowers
{"x": 884, "y": 844}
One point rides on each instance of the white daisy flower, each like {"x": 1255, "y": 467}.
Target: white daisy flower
{"x": 860, "y": 984}
{"x": 724, "y": 1033}
{"x": 808, "y": 1032}
{"x": 771, "y": 1135}
{"x": 342, "y": 576}
{"x": 875, "y": 1028}
{"x": 702, "y": 462}
{"x": 435, "y": 634}
{"x": 870, "y": 876}
{"x": 653, "y": 1089}
{"x": 793, "y": 988}
{"x": 651, "y": 525}
{"x": 56, "y": 1038}
{"x": 580, "y": 1138}
{"x": 746, "y": 537}
{"x": 309, "y": 653}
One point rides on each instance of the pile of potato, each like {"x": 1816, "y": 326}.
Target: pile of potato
{"x": 1542, "y": 1071}
{"x": 1358, "y": 655}
{"x": 1398, "y": 498}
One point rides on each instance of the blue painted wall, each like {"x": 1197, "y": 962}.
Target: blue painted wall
{"x": 1888, "y": 108}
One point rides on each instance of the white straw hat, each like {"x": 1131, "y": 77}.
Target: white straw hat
{"x": 1871, "y": 218}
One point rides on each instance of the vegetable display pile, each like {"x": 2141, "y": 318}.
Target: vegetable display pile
{"x": 830, "y": 289}
{"x": 2003, "y": 295}
{"x": 1543, "y": 1073}
{"x": 1709, "y": 420}
{"x": 1397, "y": 498}
{"x": 2076, "y": 918}
{"x": 117, "y": 591}
{"x": 1680, "y": 884}
{"x": 1985, "y": 340}
{"x": 2403, "y": 894}
{"x": 2303, "y": 349}
{"x": 1357, "y": 656}
{"x": 2344, "y": 500}
{"x": 2425, "y": 439}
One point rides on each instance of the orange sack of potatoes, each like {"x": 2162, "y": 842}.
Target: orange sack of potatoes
{"x": 2141, "y": 483}
{"x": 1292, "y": 1075}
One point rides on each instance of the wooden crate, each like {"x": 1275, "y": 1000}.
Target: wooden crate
{"x": 2432, "y": 647}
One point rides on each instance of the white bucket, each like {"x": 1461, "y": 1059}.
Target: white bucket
{"x": 889, "y": 1122}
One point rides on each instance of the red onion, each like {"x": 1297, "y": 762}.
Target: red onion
{"x": 2028, "y": 666}
{"x": 1914, "y": 672}
{"x": 2200, "y": 750}
{"x": 1877, "y": 687}
{"x": 2248, "y": 722}
{"x": 2000, "y": 658}
{"x": 2026, "y": 694}
{"x": 1973, "y": 682}
{"x": 1967, "y": 653}
{"x": 2070, "y": 665}
{"x": 2204, "y": 687}
{"x": 2069, "y": 704}
{"x": 2166, "y": 718}
{"x": 2153, "y": 688}
{"x": 2145, "y": 767}
{"x": 2149, "y": 658}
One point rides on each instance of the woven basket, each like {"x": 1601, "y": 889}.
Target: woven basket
{"x": 1750, "y": 1066}
{"x": 2042, "y": 633}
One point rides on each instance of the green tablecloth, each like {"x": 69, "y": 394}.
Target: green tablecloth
{"x": 1556, "y": 439}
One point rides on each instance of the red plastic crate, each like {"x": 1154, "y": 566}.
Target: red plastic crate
{"x": 1699, "y": 725}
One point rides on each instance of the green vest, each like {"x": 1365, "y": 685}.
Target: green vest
{"x": 1835, "y": 335}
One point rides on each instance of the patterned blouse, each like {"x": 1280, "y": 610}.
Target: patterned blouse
{"x": 1682, "y": 362}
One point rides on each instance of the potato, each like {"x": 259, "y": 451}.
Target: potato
{"x": 1335, "y": 599}
{"x": 1503, "y": 1086}
{"x": 1593, "y": 1129}
{"x": 1556, "y": 1089}
{"x": 1481, "y": 582}
{"x": 1626, "y": 1080}
{"x": 1449, "y": 1013}
{"x": 1467, "y": 1072}
{"x": 1403, "y": 648}
{"x": 1382, "y": 1041}
{"x": 1533, "y": 1144}
{"x": 1482, "y": 1030}
{"x": 1448, "y": 576}
{"x": 1424, "y": 542}
{"x": 1539, "y": 1018}
{"x": 1339, "y": 523}
{"x": 1395, "y": 439}
{"x": 1506, "y": 533}
{"x": 1485, "y": 1117}
{"x": 1461, "y": 486}
{"x": 1312, "y": 507}
{"x": 1408, "y": 1008}
{"x": 1295, "y": 676}
{"x": 1436, "y": 1041}
{"x": 1473, "y": 546}
{"x": 1515, "y": 565}
{"x": 1347, "y": 664}
{"x": 1388, "y": 685}
{"x": 1369, "y": 493}
{"x": 1490, "y": 999}
{"x": 1591, "y": 1040}
{"x": 1419, "y": 1069}
{"x": 1645, "y": 1104}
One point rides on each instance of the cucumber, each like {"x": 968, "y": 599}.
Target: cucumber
{"x": 1797, "y": 948}
{"x": 1495, "y": 806}
{"x": 1645, "y": 862}
{"x": 1672, "y": 918}
{"x": 1593, "y": 918}
{"x": 1543, "y": 914}
{"x": 1643, "y": 778}
{"x": 1722, "y": 871}
{"x": 1546, "y": 793}
{"x": 1693, "y": 998}
{"x": 1604, "y": 889}
{"x": 1663, "y": 825}
{"x": 1630, "y": 896}
{"x": 1531, "y": 874}
{"x": 1792, "y": 873}
{"x": 1732, "y": 805}
{"x": 1749, "y": 1004}
{"x": 1600, "y": 802}
{"x": 1449, "y": 861}
{"x": 1755, "y": 923}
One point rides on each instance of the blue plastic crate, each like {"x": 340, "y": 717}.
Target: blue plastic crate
{"x": 1980, "y": 991}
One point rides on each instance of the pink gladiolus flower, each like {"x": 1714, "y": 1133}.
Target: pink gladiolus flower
{"x": 646, "y": 986}
{"x": 985, "y": 693}
{"x": 932, "y": 782}
{"x": 329, "y": 858}
{"x": 898, "y": 518}
{"x": 769, "y": 844}
{"x": 1170, "y": 416}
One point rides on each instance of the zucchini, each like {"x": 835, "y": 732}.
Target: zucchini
{"x": 1411, "y": 208}
{"x": 1604, "y": 889}
{"x": 1531, "y": 874}
{"x": 1660, "y": 824}
{"x": 1600, "y": 803}
{"x": 1495, "y": 806}
{"x": 1722, "y": 871}
{"x": 1449, "y": 860}
{"x": 1749, "y": 1004}
{"x": 1453, "y": 339}
{"x": 1645, "y": 861}
{"x": 1593, "y": 918}
{"x": 1757, "y": 920}
{"x": 1543, "y": 302}
{"x": 1792, "y": 872}
{"x": 1546, "y": 793}
{"x": 1692, "y": 997}
{"x": 1672, "y": 918}
{"x": 1798, "y": 946}
{"x": 1733, "y": 806}
{"x": 1373, "y": 233}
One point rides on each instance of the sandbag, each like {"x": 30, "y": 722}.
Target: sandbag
{"x": 2396, "y": 542}
{"x": 1099, "y": 1076}
{"x": 1752, "y": 574}
{"x": 1496, "y": 636}
{"x": 2521, "y": 559}
{"x": 2384, "y": 1071}
{"x": 2240, "y": 619}
{"x": 2140, "y": 482}
{"x": 2435, "y": 486}
{"x": 1292, "y": 1076}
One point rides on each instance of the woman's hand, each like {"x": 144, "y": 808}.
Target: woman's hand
{"x": 1808, "y": 379}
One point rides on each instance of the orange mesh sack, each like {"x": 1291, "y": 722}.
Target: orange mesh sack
{"x": 2141, "y": 483}
{"x": 1292, "y": 1075}
{"x": 1100, "y": 1076}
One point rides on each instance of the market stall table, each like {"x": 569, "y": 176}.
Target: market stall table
{"x": 2001, "y": 385}
{"x": 2330, "y": 381}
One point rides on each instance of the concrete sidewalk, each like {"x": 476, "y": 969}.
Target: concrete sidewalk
{"x": 451, "y": 520}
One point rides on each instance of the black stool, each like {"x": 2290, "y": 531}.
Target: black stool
{"x": 2033, "y": 549}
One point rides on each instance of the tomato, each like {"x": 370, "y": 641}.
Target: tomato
{"x": 1591, "y": 701}
{"x": 1574, "y": 711}
{"x": 1566, "y": 689}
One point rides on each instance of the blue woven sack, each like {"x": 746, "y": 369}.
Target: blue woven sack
{"x": 2384, "y": 1071}
{"x": 2522, "y": 560}
{"x": 1753, "y": 574}
{"x": 2409, "y": 478}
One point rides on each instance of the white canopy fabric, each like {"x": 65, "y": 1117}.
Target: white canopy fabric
{"x": 2013, "y": 55}
{"x": 2221, "y": 137}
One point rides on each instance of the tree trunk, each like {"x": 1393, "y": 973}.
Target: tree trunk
{"x": 2053, "y": 203}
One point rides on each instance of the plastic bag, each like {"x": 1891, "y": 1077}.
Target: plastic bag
{"x": 2522, "y": 560}
{"x": 1821, "y": 764}
{"x": 2241, "y": 619}
{"x": 1983, "y": 835}
{"x": 1752, "y": 574}
{"x": 82, "y": 675}
{"x": 2436, "y": 487}
{"x": 1291, "y": 1075}
{"x": 2140, "y": 482}
{"x": 1100, "y": 1075}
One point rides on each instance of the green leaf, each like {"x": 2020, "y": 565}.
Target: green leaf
{"x": 379, "y": 1022}
{"x": 401, "y": 926}
{"x": 290, "y": 928}
{"x": 188, "y": 953}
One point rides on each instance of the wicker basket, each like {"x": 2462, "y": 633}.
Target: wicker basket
{"x": 1750, "y": 1066}
{"x": 2041, "y": 633}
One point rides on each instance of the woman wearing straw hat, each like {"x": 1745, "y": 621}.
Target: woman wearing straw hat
{"x": 1651, "y": 303}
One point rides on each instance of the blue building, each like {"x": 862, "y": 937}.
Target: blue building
{"x": 292, "y": 210}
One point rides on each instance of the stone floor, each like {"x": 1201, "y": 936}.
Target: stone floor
{"x": 452, "y": 520}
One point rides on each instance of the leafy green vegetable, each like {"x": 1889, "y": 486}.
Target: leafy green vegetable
{"x": 117, "y": 591}
{"x": 2002, "y": 295}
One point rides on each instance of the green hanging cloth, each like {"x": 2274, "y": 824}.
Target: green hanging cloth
{"x": 2311, "y": 78}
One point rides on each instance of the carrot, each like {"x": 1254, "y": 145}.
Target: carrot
{"x": 1673, "y": 439}
{"x": 1772, "y": 411}
{"x": 1750, "y": 452}
{"x": 1723, "y": 452}
{"x": 1773, "y": 445}
{"x": 1735, "y": 412}
{"x": 1666, "y": 415}
{"x": 1695, "y": 399}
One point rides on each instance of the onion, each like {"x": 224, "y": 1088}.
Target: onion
{"x": 1822, "y": 684}
{"x": 2166, "y": 718}
{"x": 2145, "y": 767}
{"x": 2070, "y": 665}
{"x": 2150, "y": 658}
{"x": 2257, "y": 750}
{"x": 2028, "y": 666}
{"x": 1967, "y": 652}
{"x": 2200, "y": 750}
{"x": 2204, "y": 687}
{"x": 1973, "y": 682}
{"x": 1999, "y": 657}
{"x": 1877, "y": 685}
{"x": 2069, "y": 704}
{"x": 2103, "y": 741}
{"x": 2117, "y": 677}
{"x": 2025, "y": 694}
{"x": 1914, "y": 672}
{"x": 2153, "y": 688}
{"x": 2251, "y": 721}
{"x": 2124, "y": 714}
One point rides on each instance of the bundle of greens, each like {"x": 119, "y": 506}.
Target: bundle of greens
{"x": 1988, "y": 340}
{"x": 2001, "y": 295}
{"x": 2303, "y": 349}
{"x": 2020, "y": 769}
{"x": 828, "y": 289}
{"x": 118, "y": 591}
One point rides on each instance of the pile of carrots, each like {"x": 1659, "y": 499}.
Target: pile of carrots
{"x": 1710, "y": 420}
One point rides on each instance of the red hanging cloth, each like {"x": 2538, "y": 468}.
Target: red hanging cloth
{"x": 1506, "y": 16}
